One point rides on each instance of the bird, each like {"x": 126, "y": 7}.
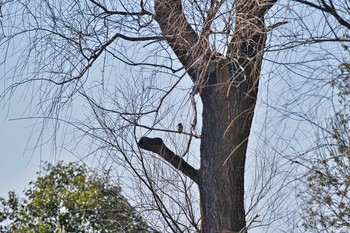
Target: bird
{"x": 180, "y": 128}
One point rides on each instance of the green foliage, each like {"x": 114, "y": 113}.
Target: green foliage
{"x": 69, "y": 198}
{"x": 328, "y": 195}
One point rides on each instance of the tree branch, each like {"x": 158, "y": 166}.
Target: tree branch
{"x": 246, "y": 48}
{"x": 250, "y": 34}
{"x": 210, "y": 19}
{"x": 157, "y": 146}
{"x": 126, "y": 13}
{"x": 330, "y": 9}
{"x": 173, "y": 24}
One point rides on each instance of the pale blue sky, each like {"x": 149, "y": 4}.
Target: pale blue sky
{"x": 17, "y": 168}
{"x": 19, "y": 163}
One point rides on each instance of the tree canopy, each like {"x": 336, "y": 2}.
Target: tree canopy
{"x": 69, "y": 198}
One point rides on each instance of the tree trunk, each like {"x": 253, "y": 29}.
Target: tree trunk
{"x": 227, "y": 118}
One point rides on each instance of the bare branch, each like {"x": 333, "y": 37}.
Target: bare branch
{"x": 193, "y": 122}
{"x": 125, "y": 13}
{"x": 210, "y": 19}
{"x": 168, "y": 12}
{"x": 330, "y": 9}
{"x": 157, "y": 146}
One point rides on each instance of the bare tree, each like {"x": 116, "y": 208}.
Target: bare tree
{"x": 142, "y": 67}
{"x": 219, "y": 44}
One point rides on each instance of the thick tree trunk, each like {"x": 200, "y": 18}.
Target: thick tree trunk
{"x": 226, "y": 126}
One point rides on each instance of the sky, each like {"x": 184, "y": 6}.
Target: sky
{"x": 17, "y": 168}
{"x": 19, "y": 163}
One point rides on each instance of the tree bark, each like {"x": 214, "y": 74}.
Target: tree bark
{"x": 226, "y": 127}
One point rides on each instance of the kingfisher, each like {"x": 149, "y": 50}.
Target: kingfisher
{"x": 180, "y": 128}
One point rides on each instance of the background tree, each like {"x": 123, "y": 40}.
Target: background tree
{"x": 326, "y": 195}
{"x": 324, "y": 165}
{"x": 69, "y": 198}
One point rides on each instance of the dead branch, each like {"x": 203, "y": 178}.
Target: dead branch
{"x": 157, "y": 146}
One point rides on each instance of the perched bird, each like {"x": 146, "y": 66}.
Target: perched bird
{"x": 180, "y": 128}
